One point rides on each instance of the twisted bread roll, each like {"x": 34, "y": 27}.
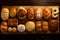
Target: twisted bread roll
{"x": 55, "y": 12}
{"x": 31, "y": 14}
{"x": 46, "y": 13}
{"x": 38, "y": 13}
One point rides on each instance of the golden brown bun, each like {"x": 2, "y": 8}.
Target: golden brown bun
{"x": 12, "y": 12}
{"x": 38, "y": 25}
{"x": 45, "y": 23}
{"x": 4, "y": 23}
{"x": 45, "y": 26}
{"x": 5, "y": 13}
{"x": 14, "y": 29}
{"x": 31, "y": 14}
{"x": 12, "y": 22}
{"x": 30, "y": 26}
{"x": 3, "y": 26}
{"x": 10, "y": 29}
{"x": 46, "y": 13}
{"x": 21, "y": 13}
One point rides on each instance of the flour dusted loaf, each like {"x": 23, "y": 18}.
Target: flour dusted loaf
{"x": 38, "y": 13}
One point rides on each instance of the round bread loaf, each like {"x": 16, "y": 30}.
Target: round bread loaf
{"x": 10, "y": 29}
{"x": 14, "y": 29}
{"x": 21, "y": 28}
{"x": 21, "y": 13}
{"x": 30, "y": 26}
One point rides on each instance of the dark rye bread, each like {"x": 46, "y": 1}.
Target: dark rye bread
{"x": 53, "y": 25}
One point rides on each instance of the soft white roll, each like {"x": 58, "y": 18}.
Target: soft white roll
{"x": 21, "y": 28}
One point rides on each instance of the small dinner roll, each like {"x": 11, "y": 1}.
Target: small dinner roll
{"x": 12, "y": 12}
{"x": 4, "y": 27}
{"x": 21, "y": 28}
{"x": 14, "y": 29}
{"x": 10, "y": 29}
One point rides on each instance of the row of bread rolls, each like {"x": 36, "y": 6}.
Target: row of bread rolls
{"x": 4, "y": 28}
{"x": 12, "y": 22}
{"x": 21, "y": 12}
{"x": 31, "y": 26}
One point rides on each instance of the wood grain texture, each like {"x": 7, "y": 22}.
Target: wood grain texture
{"x": 30, "y": 2}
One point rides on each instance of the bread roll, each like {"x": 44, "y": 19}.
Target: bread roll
{"x": 21, "y": 13}
{"x": 38, "y": 13}
{"x": 10, "y": 29}
{"x": 45, "y": 26}
{"x": 13, "y": 12}
{"x": 30, "y": 13}
{"x": 5, "y": 13}
{"x": 30, "y": 26}
{"x": 53, "y": 25}
{"x": 21, "y": 28}
{"x": 3, "y": 26}
{"x": 38, "y": 26}
{"x": 46, "y": 13}
{"x": 12, "y": 22}
{"x": 14, "y": 29}
{"x": 55, "y": 12}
